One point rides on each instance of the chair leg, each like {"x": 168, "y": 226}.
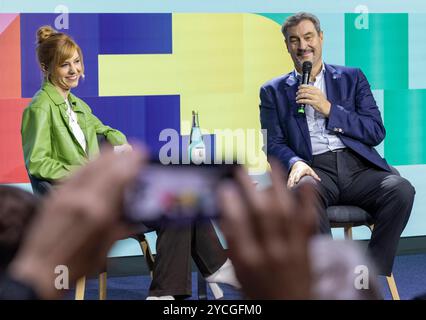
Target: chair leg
{"x": 103, "y": 286}
{"x": 148, "y": 254}
{"x": 348, "y": 233}
{"x": 202, "y": 286}
{"x": 80, "y": 288}
{"x": 392, "y": 287}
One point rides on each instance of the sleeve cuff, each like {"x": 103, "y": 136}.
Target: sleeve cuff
{"x": 292, "y": 161}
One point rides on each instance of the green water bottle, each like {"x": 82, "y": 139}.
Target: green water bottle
{"x": 196, "y": 147}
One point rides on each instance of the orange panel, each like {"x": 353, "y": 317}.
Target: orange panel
{"x": 12, "y": 168}
{"x": 10, "y": 62}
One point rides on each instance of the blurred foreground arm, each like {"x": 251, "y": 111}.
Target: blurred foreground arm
{"x": 77, "y": 224}
{"x": 268, "y": 234}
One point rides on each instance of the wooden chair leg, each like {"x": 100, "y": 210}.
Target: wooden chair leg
{"x": 80, "y": 288}
{"x": 392, "y": 287}
{"x": 148, "y": 254}
{"x": 103, "y": 286}
{"x": 348, "y": 233}
{"x": 202, "y": 286}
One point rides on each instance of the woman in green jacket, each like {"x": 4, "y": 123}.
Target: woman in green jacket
{"x": 59, "y": 134}
{"x": 59, "y": 131}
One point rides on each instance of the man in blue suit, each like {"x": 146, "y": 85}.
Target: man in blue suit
{"x": 331, "y": 144}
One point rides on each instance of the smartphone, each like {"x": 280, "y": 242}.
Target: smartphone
{"x": 177, "y": 194}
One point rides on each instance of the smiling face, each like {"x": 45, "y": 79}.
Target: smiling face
{"x": 304, "y": 43}
{"x": 68, "y": 73}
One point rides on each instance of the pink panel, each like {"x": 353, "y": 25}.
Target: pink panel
{"x": 12, "y": 168}
{"x": 10, "y": 62}
{"x": 6, "y": 19}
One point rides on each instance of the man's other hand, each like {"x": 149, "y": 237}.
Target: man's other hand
{"x": 298, "y": 170}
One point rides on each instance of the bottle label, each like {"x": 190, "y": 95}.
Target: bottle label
{"x": 198, "y": 155}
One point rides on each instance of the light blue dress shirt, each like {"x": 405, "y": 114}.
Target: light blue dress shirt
{"x": 322, "y": 140}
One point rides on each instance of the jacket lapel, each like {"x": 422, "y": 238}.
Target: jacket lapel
{"x": 76, "y": 106}
{"x": 332, "y": 80}
{"x": 59, "y": 101}
{"x": 291, "y": 89}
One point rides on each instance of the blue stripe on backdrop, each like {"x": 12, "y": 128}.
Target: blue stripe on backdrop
{"x": 88, "y": 41}
{"x": 139, "y": 117}
{"x": 135, "y": 33}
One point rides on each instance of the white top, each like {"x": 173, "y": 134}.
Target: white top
{"x": 75, "y": 127}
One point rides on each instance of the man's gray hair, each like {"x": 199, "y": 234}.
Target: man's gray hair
{"x": 295, "y": 19}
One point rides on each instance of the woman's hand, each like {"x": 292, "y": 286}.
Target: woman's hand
{"x": 123, "y": 148}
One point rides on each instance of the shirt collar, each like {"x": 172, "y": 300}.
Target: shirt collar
{"x": 55, "y": 96}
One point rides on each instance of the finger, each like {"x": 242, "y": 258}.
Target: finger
{"x": 290, "y": 182}
{"x": 313, "y": 174}
{"x": 103, "y": 181}
{"x": 282, "y": 194}
{"x": 118, "y": 170}
{"x": 306, "y": 217}
{"x": 306, "y": 101}
{"x": 259, "y": 208}
{"x": 279, "y": 176}
{"x": 297, "y": 177}
{"x": 248, "y": 191}
{"x": 105, "y": 146}
{"x": 308, "y": 88}
{"x": 122, "y": 231}
{"x": 304, "y": 86}
{"x": 305, "y": 96}
{"x": 271, "y": 229}
{"x": 236, "y": 224}
{"x": 110, "y": 166}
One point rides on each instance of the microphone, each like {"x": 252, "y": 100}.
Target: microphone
{"x": 306, "y": 73}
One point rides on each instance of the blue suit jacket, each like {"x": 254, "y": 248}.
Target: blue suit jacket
{"x": 354, "y": 117}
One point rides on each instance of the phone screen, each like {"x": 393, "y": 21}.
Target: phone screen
{"x": 176, "y": 193}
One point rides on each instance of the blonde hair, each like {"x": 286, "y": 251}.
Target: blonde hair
{"x": 53, "y": 49}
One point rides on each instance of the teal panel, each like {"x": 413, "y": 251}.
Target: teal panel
{"x": 381, "y": 51}
{"x": 279, "y": 18}
{"x": 416, "y": 175}
{"x": 404, "y": 120}
{"x": 417, "y": 49}
{"x": 333, "y": 26}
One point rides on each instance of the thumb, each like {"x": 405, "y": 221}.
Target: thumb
{"x": 315, "y": 175}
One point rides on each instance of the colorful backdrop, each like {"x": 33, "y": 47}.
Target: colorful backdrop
{"x": 146, "y": 71}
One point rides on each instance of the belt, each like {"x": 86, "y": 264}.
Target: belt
{"x": 340, "y": 150}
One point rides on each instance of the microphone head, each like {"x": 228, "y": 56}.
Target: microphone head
{"x": 307, "y": 67}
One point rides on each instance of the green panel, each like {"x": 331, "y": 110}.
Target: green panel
{"x": 277, "y": 17}
{"x": 381, "y": 51}
{"x": 404, "y": 119}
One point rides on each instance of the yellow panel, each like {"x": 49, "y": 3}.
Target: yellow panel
{"x": 128, "y": 75}
{"x": 218, "y": 64}
{"x": 209, "y": 48}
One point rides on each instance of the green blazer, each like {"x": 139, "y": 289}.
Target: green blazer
{"x": 51, "y": 150}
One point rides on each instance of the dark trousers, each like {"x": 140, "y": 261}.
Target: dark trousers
{"x": 348, "y": 179}
{"x": 175, "y": 247}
